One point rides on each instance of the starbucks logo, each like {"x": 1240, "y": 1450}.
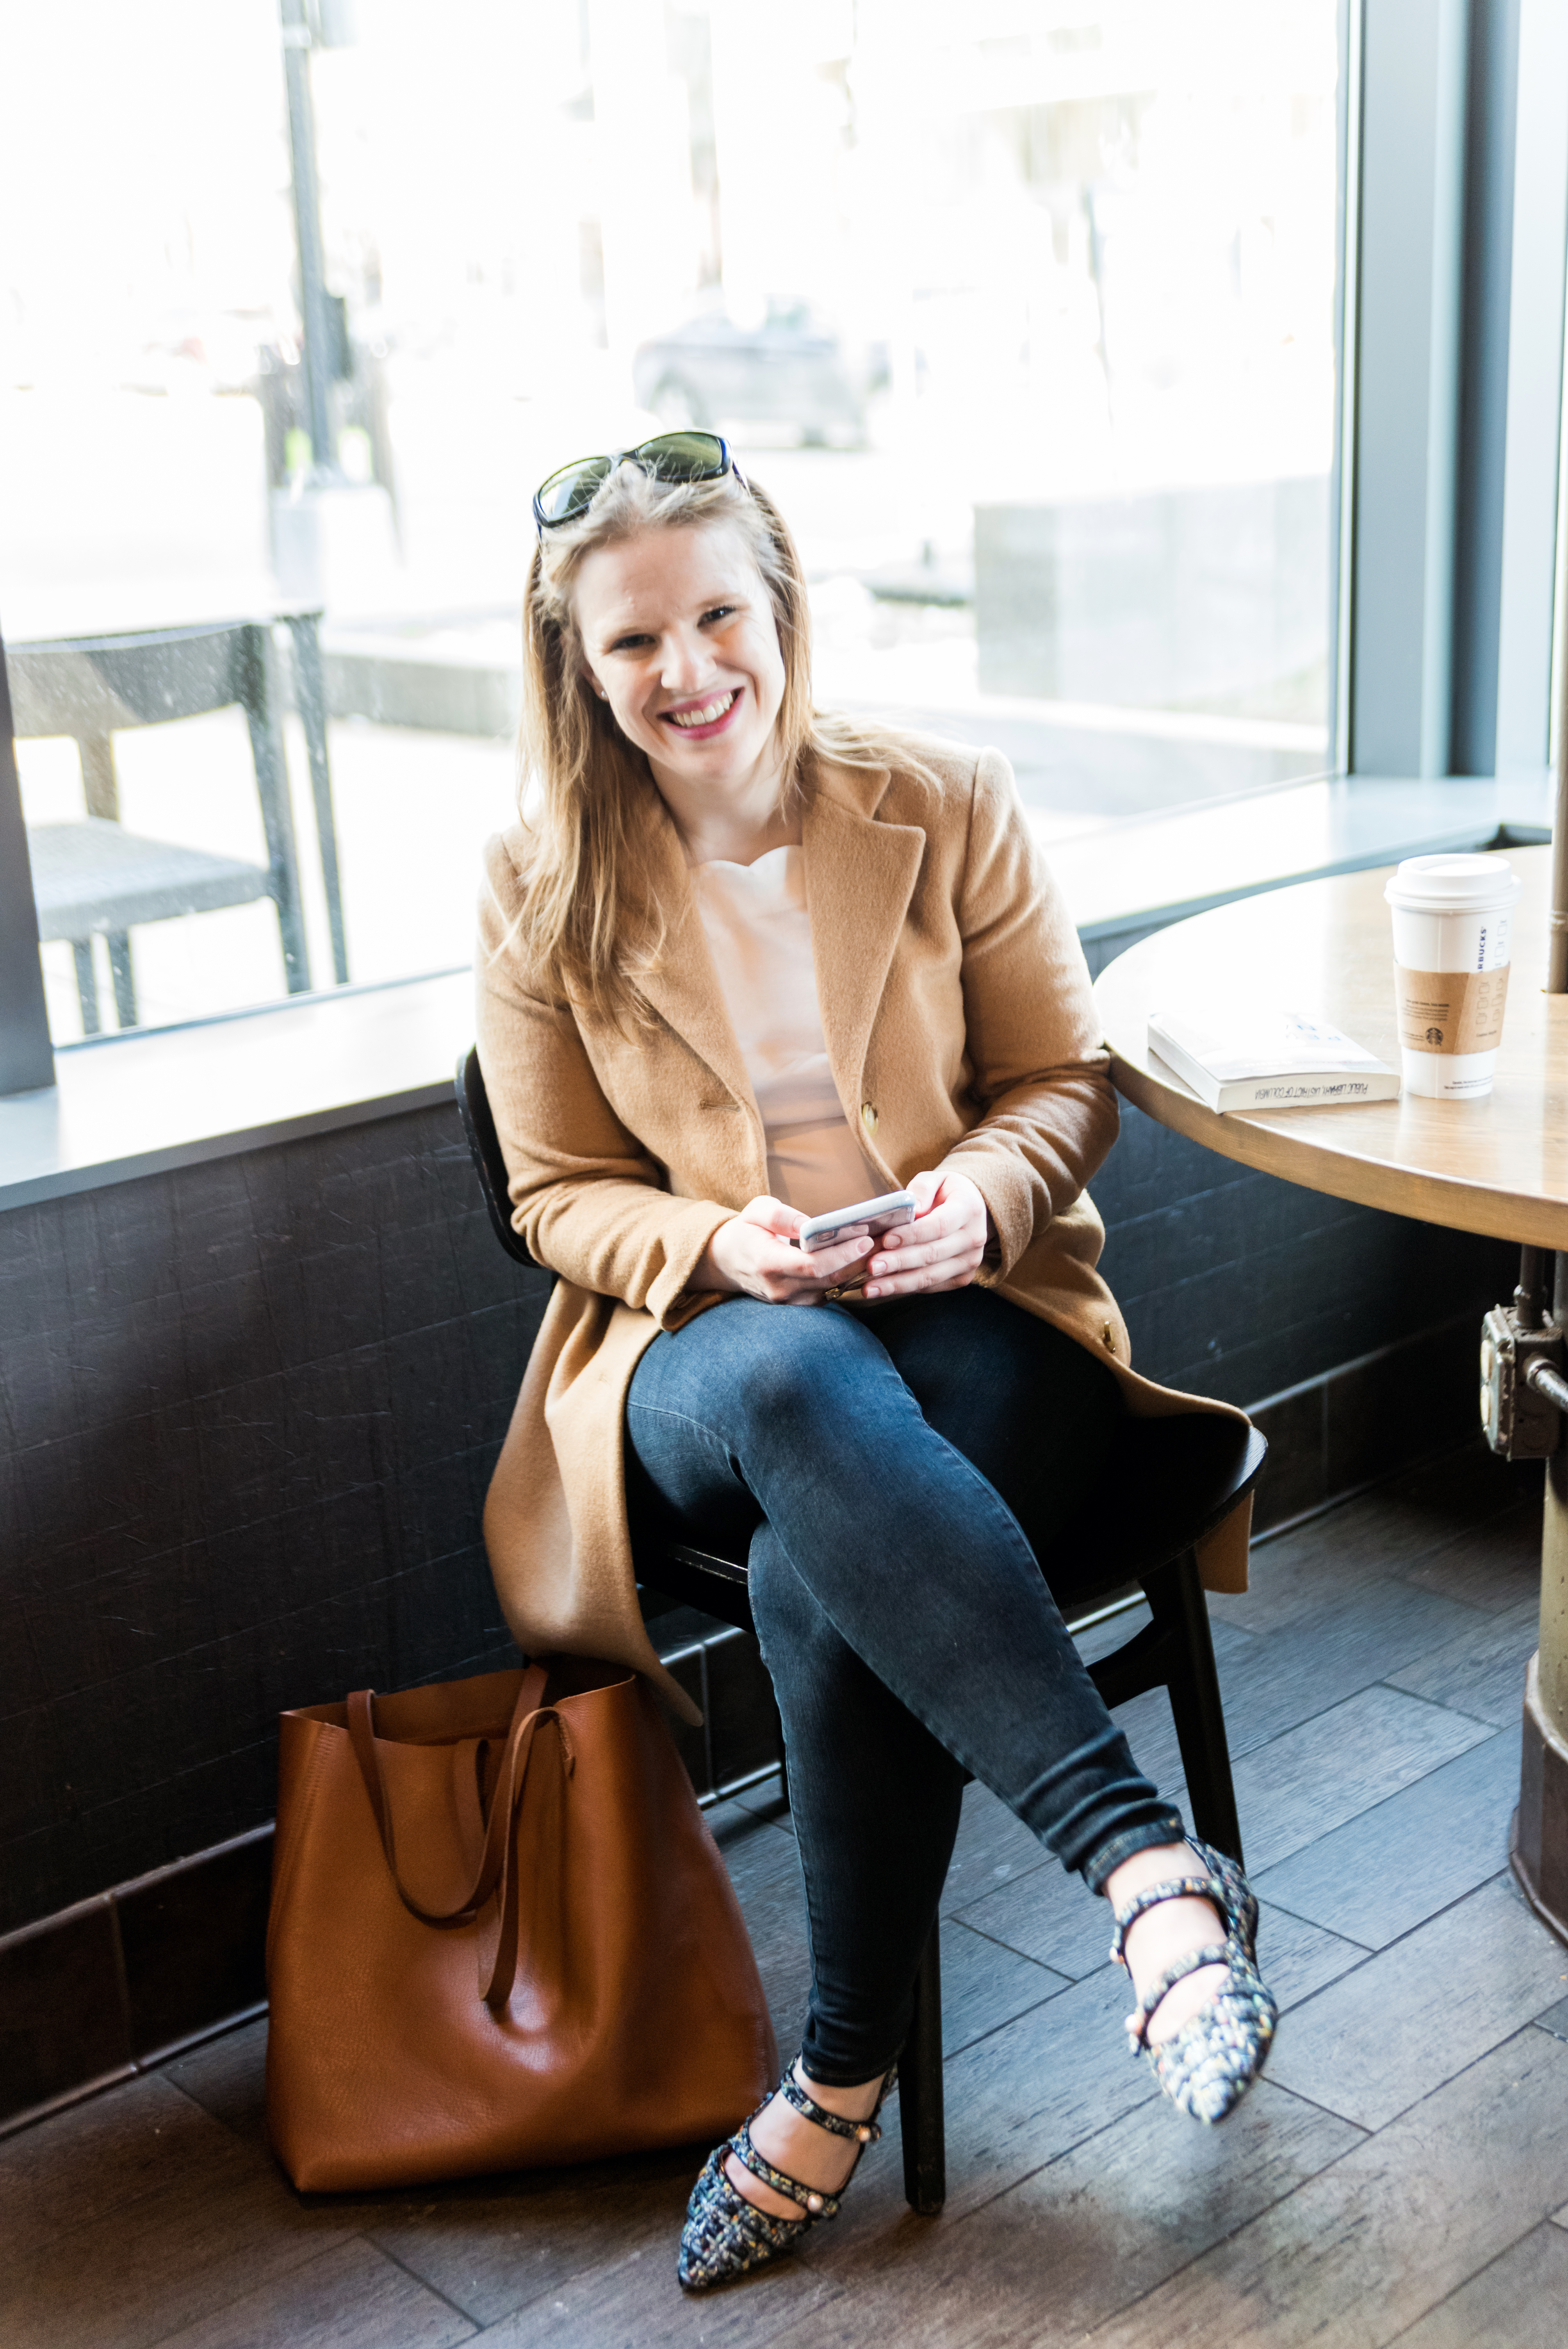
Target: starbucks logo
{"x": 1434, "y": 1035}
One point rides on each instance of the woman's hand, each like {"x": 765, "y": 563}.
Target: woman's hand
{"x": 754, "y": 1255}
{"x": 941, "y": 1249}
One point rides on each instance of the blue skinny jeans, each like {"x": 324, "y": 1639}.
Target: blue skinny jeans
{"x": 884, "y": 1465}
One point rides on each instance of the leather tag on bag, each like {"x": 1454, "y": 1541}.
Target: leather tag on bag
{"x": 1450, "y": 1011}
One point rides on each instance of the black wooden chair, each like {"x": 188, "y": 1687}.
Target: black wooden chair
{"x": 1174, "y": 1480}
{"x": 95, "y": 877}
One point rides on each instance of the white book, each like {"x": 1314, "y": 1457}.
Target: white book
{"x": 1264, "y": 1059}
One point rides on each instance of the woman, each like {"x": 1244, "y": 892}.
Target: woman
{"x": 742, "y": 964}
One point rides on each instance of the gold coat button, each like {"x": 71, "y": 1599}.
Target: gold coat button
{"x": 868, "y": 1117}
{"x": 1108, "y": 1335}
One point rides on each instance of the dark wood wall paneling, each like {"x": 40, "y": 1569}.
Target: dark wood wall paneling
{"x": 251, "y": 1408}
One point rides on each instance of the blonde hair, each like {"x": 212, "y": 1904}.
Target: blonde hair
{"x": 588, "y": 924}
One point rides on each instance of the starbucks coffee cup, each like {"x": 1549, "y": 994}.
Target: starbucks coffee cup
{"x": 1453, "y": 918}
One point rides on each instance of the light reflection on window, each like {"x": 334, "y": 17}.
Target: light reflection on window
{"x": 1024, "y": 312}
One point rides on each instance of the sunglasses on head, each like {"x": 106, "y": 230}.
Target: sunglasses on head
{"x": 670, "y": 457}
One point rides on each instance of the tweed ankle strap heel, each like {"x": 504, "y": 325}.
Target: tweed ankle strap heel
{"x": 725, "y": 2235}
{"x": 1207, "y": 2066}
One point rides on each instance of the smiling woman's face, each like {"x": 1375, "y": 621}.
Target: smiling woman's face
{"x": 679, "y": 635}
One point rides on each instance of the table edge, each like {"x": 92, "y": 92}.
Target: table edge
{"x": 1458, "y": 1206}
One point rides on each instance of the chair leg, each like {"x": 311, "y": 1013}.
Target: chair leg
{"x": 1178, "y": 1600}
{"x": 310, "y": 693}
{"x": 86, "y": 986}
{"x": 124, "y": 985}
{"x": 922, "y": 2121}
{"x": 100, "y": 784}
{"x": 277, "y": 809}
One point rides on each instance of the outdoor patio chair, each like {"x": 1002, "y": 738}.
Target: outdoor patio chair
{"x": 95, "y": 876}
{"x": 1174, "y": 1480}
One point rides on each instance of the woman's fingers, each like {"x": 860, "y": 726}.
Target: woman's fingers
{"x": 769, "y": 1215}
{"x": 940, "y": 1224}
{"x": 924, "y": 1189}
{"x": 935, "y": 1252}
{"x": 946, "y": 1232}
{"x": 828, "y": 1263}
{"x": 784, "y": 1275}
{"x": 948, "y": 1272}
{"x": 753, "y": 1255}
{"x": 954, "y": 1205}
{"x": 943, "y": 1248}
{"x": 946, "y": 1263}
{"x": 822, "y": 1267}
{"x": 756, "y": 1251}
{"x": 920, "y": 1284}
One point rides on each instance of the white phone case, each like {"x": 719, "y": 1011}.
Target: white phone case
{"x": 867, "y": 1217}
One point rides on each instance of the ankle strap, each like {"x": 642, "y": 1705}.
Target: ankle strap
{"x": 1175, "y": 1888}
{"x": 1217, "y": 1954}
{"x": 815, "y": 2201}
{"x": 865, "y": 2132}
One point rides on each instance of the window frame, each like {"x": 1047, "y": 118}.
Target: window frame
{"x": 1449, "y": 449}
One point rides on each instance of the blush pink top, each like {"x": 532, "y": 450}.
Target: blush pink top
{"x": 761, "y": 936}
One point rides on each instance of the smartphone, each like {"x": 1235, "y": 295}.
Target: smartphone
{"x": 868, "y": 1217}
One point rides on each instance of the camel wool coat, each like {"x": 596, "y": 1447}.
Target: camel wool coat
{"x": 962, "y": 1035}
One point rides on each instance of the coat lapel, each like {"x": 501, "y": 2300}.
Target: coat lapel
{"x": 860, "y": 877}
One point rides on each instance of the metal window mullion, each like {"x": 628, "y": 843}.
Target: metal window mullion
{"x": 1410, "y": 248}
{"x": 27, "y": 1062}
{"x": 1530, "y": 564}
{"x": 1347, "y": 258}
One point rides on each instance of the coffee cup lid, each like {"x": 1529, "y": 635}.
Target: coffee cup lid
{"x": 1455, "y": 883}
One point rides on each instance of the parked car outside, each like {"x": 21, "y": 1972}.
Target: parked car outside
{"x": 791, "y": 370}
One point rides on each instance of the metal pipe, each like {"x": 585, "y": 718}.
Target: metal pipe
{"x": 315, "y": 317}
{"x": 1527, "y": 1296}
{"x": 1548, "y": 1381}
{"x": 1550, "y": 1708}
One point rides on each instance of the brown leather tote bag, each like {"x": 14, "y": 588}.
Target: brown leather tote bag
{"x": 501, "y": 1936}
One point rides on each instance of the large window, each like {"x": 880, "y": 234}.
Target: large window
{"x": 1023, "y": 309}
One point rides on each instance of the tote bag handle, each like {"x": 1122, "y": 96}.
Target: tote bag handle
{"x": 497, "y": 1864}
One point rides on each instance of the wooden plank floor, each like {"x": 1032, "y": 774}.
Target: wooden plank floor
{"x": 1401, "y": 2174}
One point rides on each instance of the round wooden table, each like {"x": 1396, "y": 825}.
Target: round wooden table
{"x": 1498, "y": 1166}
